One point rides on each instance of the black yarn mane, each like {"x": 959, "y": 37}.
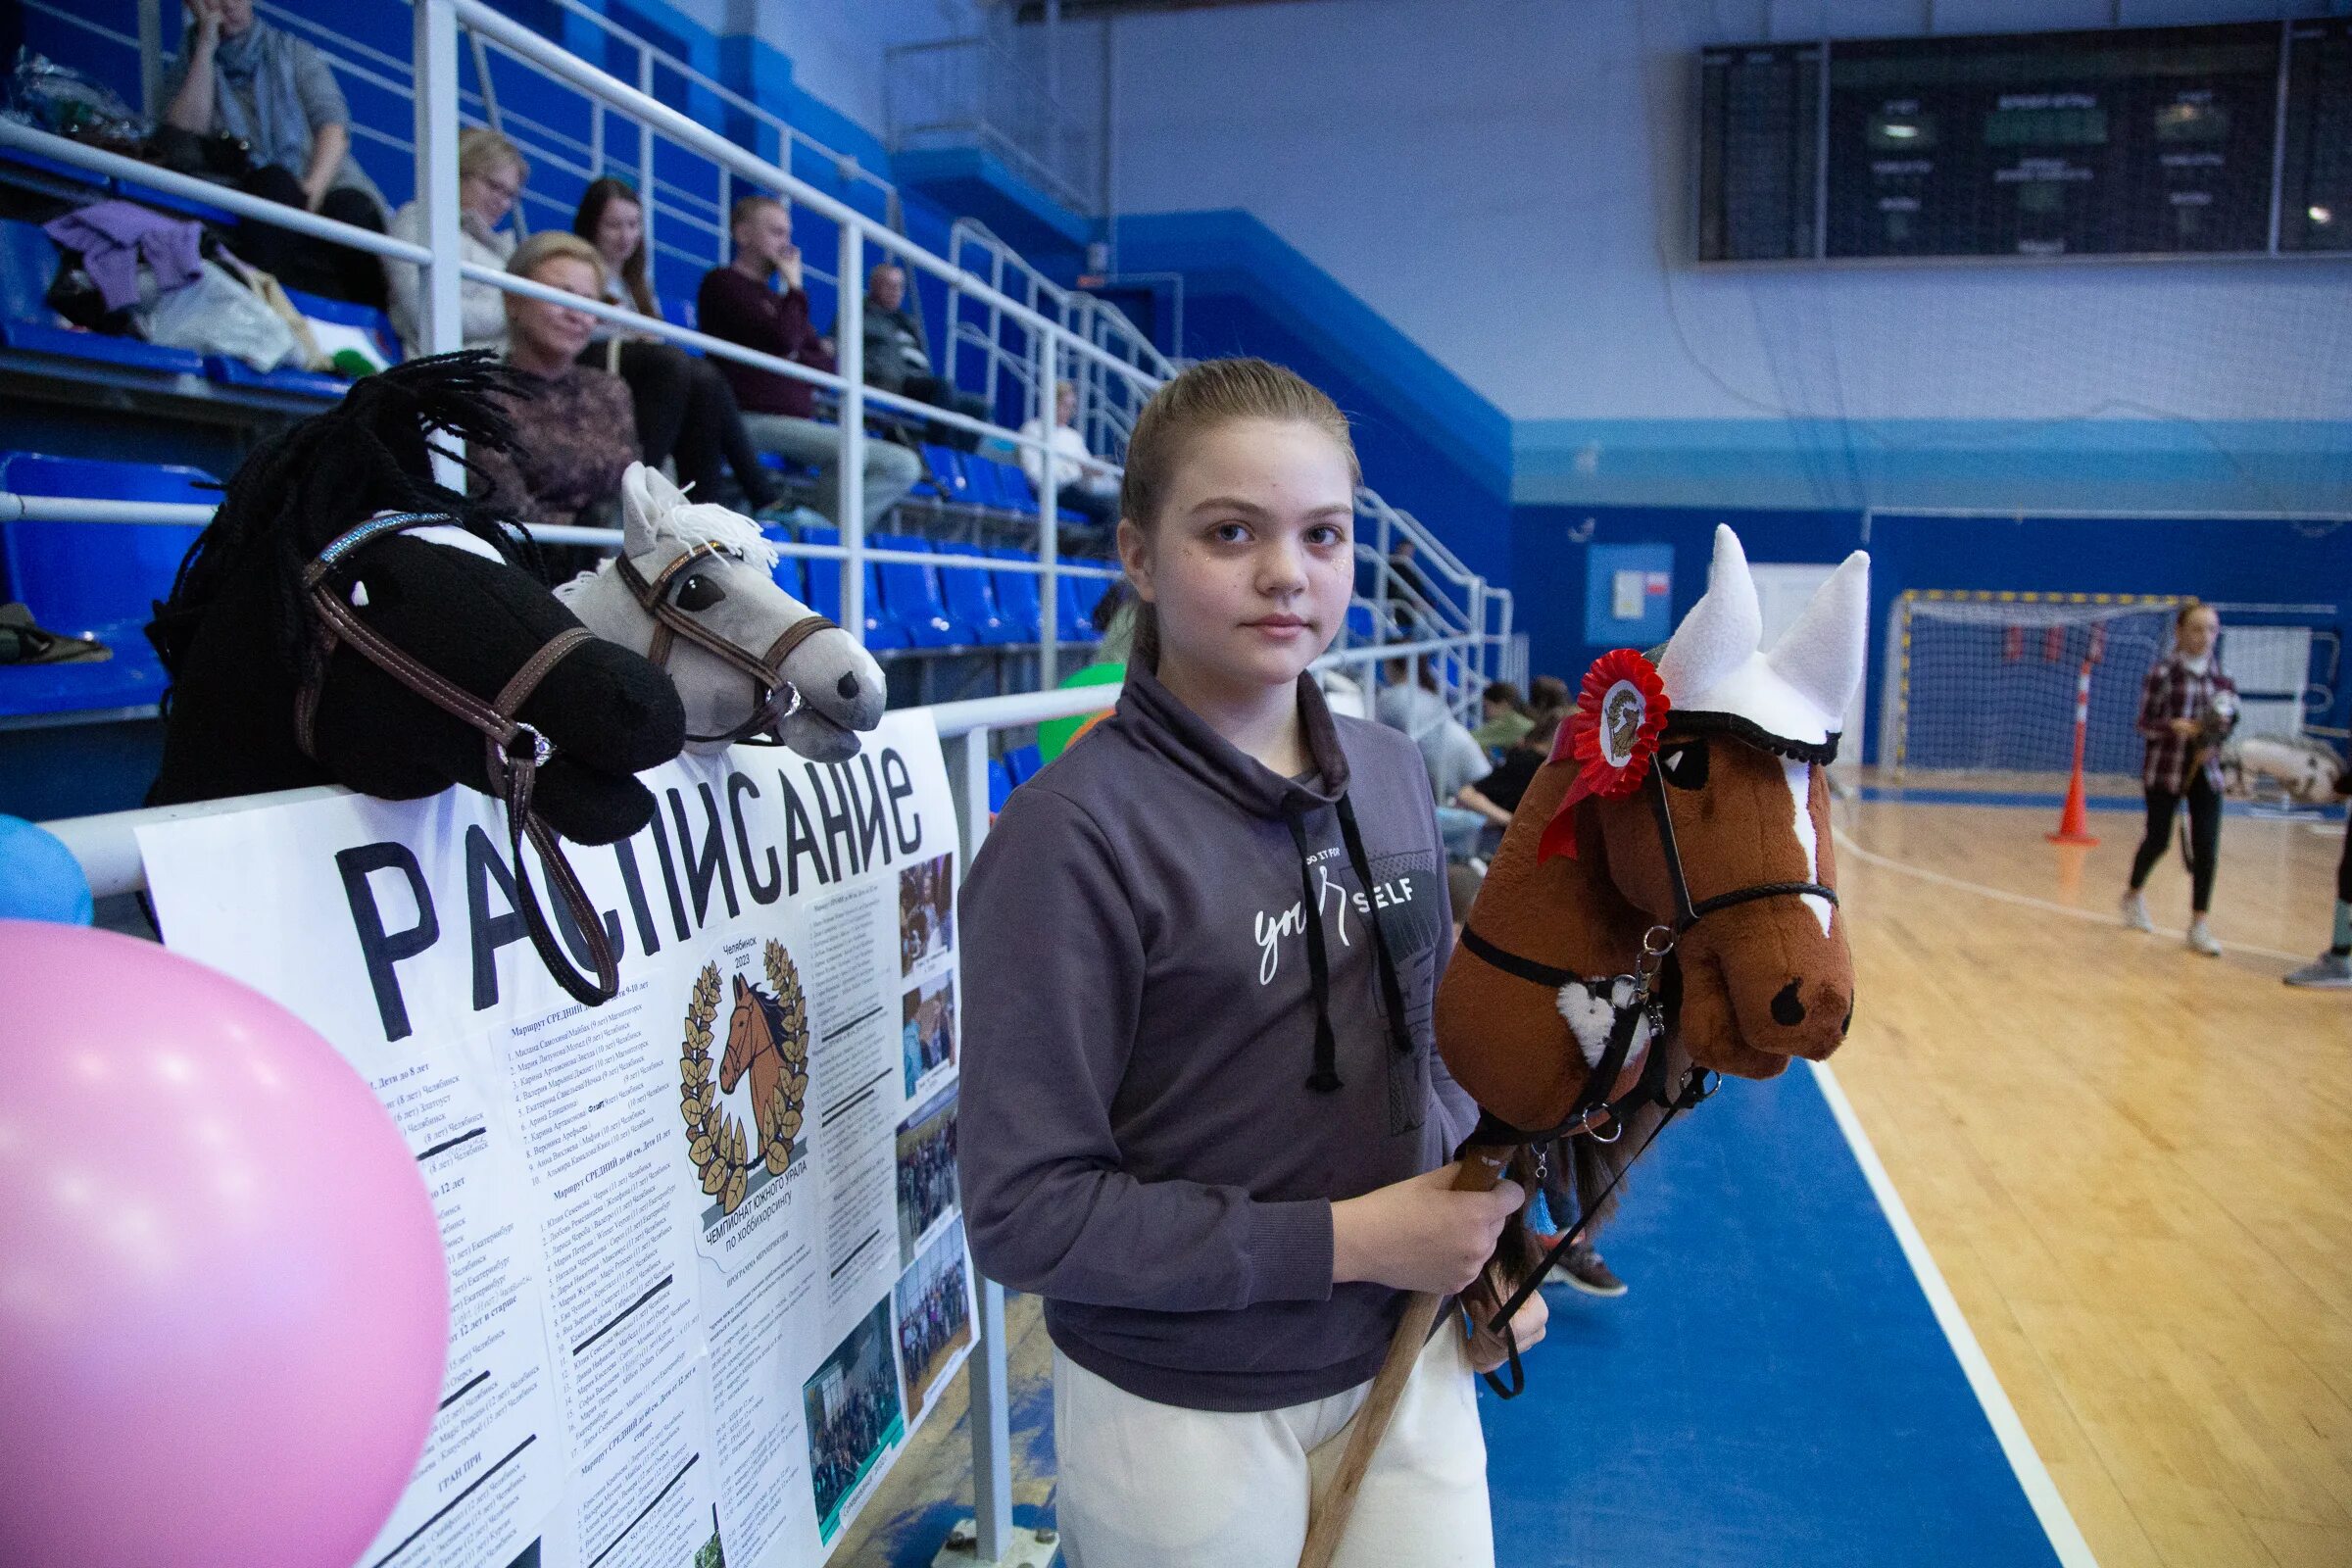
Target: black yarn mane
{"x": 372, "y": 452}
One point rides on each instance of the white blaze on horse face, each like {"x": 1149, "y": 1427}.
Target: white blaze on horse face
{"x": 1799, "y": 777}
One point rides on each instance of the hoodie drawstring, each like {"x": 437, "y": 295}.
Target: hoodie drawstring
{"x": 1390, "y": 992}
{"x": 1326, "y": 1077}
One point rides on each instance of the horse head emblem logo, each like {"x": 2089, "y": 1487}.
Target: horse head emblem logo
{"x": 768, "y": 1044}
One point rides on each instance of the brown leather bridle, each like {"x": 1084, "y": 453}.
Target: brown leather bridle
{"x": 774, "y": 697}
{"x": 513, "y": 750}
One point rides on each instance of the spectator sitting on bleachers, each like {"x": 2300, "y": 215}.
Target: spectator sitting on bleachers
{"x": 738, "y": 304}
{"x": 1411, "y": 702}
{"x": 1088, "y": 487}
{"x": 491, "y": 172}
{"x": 898, "y": 357}
{"x": 243, "y": 78}
{"x": 1506, "y": 718}
{"x": 574, "y": 435}
{"x": 686, "y": 411}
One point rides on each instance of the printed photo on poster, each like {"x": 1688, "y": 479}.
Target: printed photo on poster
{"x": 743, "y": 1073}
{"x": 927, "y": 1030}
{"x": 927, "y": 1189}
{"x": 855, "y": 1416}
{"x": 935, "y": 1316}
{"x": 926, "y": 912}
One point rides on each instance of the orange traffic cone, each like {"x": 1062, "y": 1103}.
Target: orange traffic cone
{"x": 2073, "y": 818}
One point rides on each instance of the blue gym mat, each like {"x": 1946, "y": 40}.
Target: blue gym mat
{"x": 1774, "y": 1390}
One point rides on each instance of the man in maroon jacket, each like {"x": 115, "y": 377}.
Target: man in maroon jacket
{"x": 737, "y": 302}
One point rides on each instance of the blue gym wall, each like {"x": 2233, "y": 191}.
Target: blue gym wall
{"x": 2226, "y": 560}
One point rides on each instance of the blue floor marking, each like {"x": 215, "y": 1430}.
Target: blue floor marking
{"x": 1775, "y": 1389}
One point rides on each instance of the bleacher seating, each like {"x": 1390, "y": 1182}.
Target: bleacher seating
{"x": 29, "y": 260}
{"x": 914, "y": 598}
{"x": 1000, "y": 784}
{"x": 911, "y": 608}
{"x": 1017, "y": 596}
{"x": 96, "y": 579}
{"x": 1023, "y": 764}
{"x": 825, "y": 592}
{"x": 27, "y": 264}
{"x": 971, "y": 597}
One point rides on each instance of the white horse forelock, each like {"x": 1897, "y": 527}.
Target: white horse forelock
{"x": 706, "y": 522}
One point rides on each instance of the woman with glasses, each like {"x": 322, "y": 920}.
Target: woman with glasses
{"x": 491, "y": 172}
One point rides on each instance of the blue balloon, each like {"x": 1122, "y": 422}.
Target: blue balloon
{"x": 39, "y": 878}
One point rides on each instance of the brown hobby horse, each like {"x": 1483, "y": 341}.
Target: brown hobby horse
{"x": 1648, "y": 921}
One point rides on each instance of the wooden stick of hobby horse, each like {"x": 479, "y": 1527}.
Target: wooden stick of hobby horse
{"x": 1483, "y": 1167}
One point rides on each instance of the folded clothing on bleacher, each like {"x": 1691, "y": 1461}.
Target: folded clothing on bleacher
{"x": 113, "y": 237}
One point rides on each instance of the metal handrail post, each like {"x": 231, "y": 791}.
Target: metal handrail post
{"x": 443, "y": 325}
{"x": 991, "y": 1377}
{"x": 849, "y": 355}
{"x": 645, "y": 153}
{"x": 1049, "y": 516}
{"x": 151, "y": 59}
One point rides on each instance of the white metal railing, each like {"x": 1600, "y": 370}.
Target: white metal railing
{"x": 1108, "y": 405}
{"x": 1045, "y": 337}
{"x": 971, "y": 90}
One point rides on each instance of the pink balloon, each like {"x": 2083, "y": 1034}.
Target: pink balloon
{"x": 223, "y": 1308}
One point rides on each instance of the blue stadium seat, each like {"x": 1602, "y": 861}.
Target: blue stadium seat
{"x": 972, "y": 599}
{"x": 1000, "y": 784}
{"x": 27, "y": 264}
{"x": 944, "y": 474}
{"x": 1008, "y": 487}
{"x": 1017, "y": 597}
{"x": 882, "y": 630}
{"x": 1360, "y": 626}
{"x": 789, "y": 574}
{"x": 1090, "y": 592}
{"x": 1076, "y": 625}
{"x": 229, "y": 372}
{"x": 1023, "y": 764}
{"x": 96, "y": 579}
{"x": 366, "y": 317}
{"x": 914, "y": 598}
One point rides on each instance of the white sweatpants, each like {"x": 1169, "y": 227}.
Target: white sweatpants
{"x": 1153, "y": 1486}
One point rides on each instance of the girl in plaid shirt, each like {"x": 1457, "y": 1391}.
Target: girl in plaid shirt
{"x": 2188, "y": 708}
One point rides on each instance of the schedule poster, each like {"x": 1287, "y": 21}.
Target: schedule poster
{"x": 706, "y": 1253}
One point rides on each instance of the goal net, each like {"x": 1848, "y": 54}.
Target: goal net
{"x": 1983, "y": 686}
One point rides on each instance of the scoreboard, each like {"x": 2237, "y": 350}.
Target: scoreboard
{"x": 2161, "y": 141}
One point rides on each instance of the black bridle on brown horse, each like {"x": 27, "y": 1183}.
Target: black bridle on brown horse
{"x": 513, "y": 749}
{"x": 1595, "y": 1109}
{"x": 774, "y": 697}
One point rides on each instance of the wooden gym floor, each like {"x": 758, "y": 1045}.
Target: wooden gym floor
{"x": 2132, "y": 1165}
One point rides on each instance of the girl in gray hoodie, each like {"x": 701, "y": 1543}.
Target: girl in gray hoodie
{"x": 1203, "y": 1115}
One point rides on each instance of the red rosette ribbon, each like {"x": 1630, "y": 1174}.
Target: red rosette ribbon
{"x": 1612, "y": 736}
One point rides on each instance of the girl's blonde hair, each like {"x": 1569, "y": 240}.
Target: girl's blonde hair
{"x": 482, "y": 152}
{"x": 1202, "y": 397}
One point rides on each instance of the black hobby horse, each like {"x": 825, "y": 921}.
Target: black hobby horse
{"x": 305, "y": 648}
